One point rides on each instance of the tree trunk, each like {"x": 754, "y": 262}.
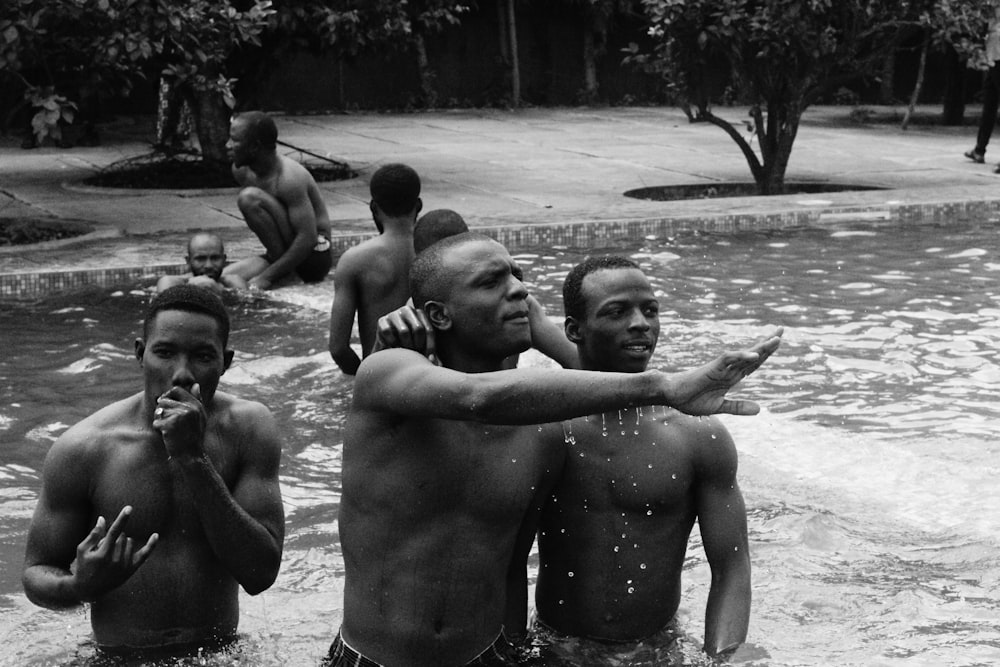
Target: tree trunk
{"x": 212, "y": 116}
{"x": 921, "y": 68}
{"x": 515, "y": 68}
{"x": 953, "y": 112}
{"x": 425, "y": 71}
{"x": 589, "y": 66}
{"x": 782, "y": 128}
{"x": 886, "y": 92}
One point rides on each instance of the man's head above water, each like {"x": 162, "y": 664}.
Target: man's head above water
{"x": 436, "y": 225}
{"x": 470, "y": 289}
{"x": 191, "y": 299}
{"x": 206, "y": 256}
{"x": 612, "y": 314}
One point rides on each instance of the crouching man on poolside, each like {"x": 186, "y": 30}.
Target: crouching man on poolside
{"x": 446, "y": 468}
{"x": 281, "y": 204}
{"x": 157, "y": 508}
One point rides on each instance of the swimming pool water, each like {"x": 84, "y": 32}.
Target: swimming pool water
{"x": 870, "y": 477}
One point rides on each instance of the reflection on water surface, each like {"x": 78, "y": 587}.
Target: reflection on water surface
{"x": 870, "y": 478}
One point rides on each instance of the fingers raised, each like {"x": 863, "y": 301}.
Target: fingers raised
{"x": 94, "y": 536}
{"x": 140, "y": 556}
{"x": 117, "y": 528}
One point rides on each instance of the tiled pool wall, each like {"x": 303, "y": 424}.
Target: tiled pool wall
{"x": 30, "y": 284}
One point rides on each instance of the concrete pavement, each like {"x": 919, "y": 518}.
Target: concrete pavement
{"x": 502, "y": 169}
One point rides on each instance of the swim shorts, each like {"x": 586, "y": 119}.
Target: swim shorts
{"x": 499, "y": 654}
{"x": 554, "y": 649}
{"x": 316, "y": 266}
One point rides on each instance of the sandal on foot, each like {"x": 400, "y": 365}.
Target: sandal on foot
{"x": 975, "y": 156}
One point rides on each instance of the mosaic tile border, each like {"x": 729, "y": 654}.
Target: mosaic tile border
{"x": 30, "y": 284}
{"x": 33, "y": 284}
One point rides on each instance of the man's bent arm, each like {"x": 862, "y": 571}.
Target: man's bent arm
{"x": 405, "y": 383}
{"x": 302, "y": 219}
{"x": 233, "y": 281}
{"x": 245, "y": 528}
{"x": 342, "y": 312}
{"x": 60, "y": 522}
{"x": 550, "y": 339}
{"x": 723, "y": 524}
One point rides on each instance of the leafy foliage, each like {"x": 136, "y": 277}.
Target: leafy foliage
{"x": 56, "y": 46}
{"x": 782, "y": 55}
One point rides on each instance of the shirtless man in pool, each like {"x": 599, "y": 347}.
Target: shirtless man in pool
{"x": 613, "y": 537}
{"x": 373, "y": 277}
{"x": 281, "y": 204}
{"x": 206, "y": 258}
{"x": 446, "y": 468}
{"x": 157, "y": 508}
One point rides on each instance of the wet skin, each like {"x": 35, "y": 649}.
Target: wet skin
{"x": 613, "y": 537}
{"x": 446, "y": 467}
{"x": 372, "y": 279}
{"x": 191, "y": 474}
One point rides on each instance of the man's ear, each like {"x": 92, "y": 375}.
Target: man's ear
{"x": 140, "y": 349}
{"x": 437, "y": 314}
{"x": 419, "y": 208}
{"x": 572, "y": 329}
{"x": 227, "y": 359}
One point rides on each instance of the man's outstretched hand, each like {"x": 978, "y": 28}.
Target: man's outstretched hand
{"x": 702, "y": 391}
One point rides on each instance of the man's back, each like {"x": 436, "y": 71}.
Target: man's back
{"x": 382, "y": 281}
{"x": 427, "y": 540}
{"x": 371, "y": 280}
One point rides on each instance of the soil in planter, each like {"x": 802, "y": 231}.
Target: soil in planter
{"x": 25, "y": 231}
{"x": 719, "y": 190}
{"x": 187, "y": 171}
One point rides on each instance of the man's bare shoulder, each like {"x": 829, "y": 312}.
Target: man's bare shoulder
{"x": 376, "y": 367}
{"x": 234, "y": 408}
{"x": 366, "y": 251}
{"x": 706, "y": 440}
{"x": 246, "y": 425}
{"x": 293, "y": 175}
{"x": 91, "y": 435}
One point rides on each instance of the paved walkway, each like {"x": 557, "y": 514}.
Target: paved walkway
{"x": 533, "y": 166}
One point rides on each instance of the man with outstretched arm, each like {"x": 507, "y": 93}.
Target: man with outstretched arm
{"x": 613, "y": 536}
{"x": 447, "y": 467}
{"x": 280, "y": 203}
{"x": 157, "y": 508}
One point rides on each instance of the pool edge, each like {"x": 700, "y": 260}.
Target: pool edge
{"x": 40, "y": 282}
